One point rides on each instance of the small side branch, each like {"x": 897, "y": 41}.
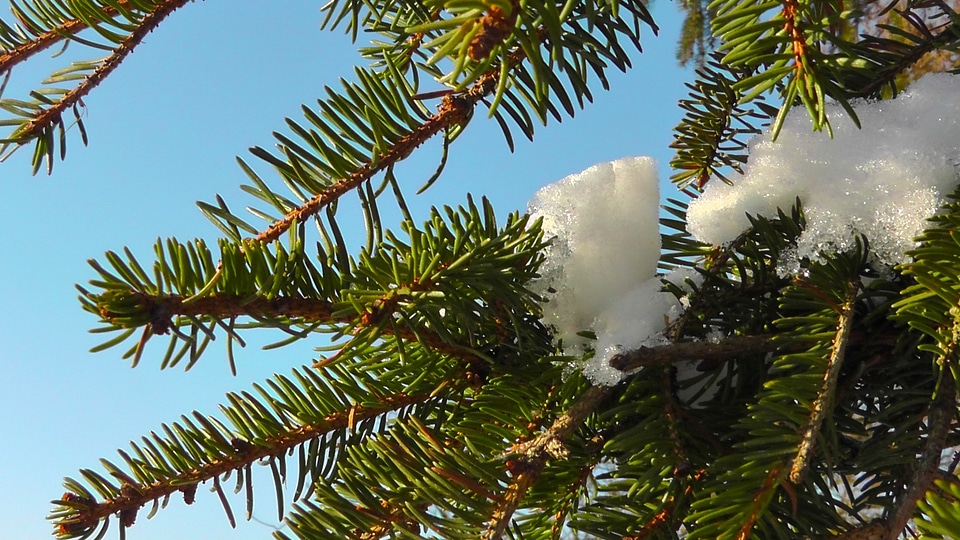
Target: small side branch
{"x": 454, "y": 109}
{"x": 162, "y": 310}
{"x": 49, "y": 38}
{"x": 825, "y": 398}
{"x": 531, "y": 457}
{"x": 726, "y": 349}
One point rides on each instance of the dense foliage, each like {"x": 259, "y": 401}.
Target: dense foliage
{"x": 445, "y": 407}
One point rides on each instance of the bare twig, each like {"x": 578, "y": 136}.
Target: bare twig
{"x": 725, "y": 349}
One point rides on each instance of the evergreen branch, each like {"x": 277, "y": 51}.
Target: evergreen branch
{"x": 162, "y": 312}
{"x": 79, "y": 513}
{"x": 430, "y": 289}
{"x": 527, "y": 460}
{"x": 942, "y": 412}
{"x": 454, "y": 109}
{"x": 50, "y": 115}
{"x": 826, "y": 397}
{"x": 661, "y": 518}
{"x": 47, "y": 39}
{"x": 726, "y": 349}
{"x": 775, "y": 426}
{"x": 895, "y": 65}
{"x": 709, "y": 137}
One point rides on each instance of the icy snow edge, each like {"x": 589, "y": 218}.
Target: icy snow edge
{"x": 883, "y": 181}
{"x": 600, "y": 270}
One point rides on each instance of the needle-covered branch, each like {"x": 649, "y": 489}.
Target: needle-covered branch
{"x": 430, "y": 288}
{"x": 41, "y": 119}
{"x": 15, "y": 53}
{"x": 527, "y": 460}
{"x": 202, "y": 449}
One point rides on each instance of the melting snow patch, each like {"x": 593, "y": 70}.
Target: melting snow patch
{"x": 882, "y": 181}
{"x": 600, "y": 271}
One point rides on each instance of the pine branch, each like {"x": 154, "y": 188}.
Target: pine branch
{"x": 453, "y": 110}
{"x": 942, "y": 411}
{"x": 527, "y": 460}
{"x": 163, "y": 310}
{"x": 910, "y": 54}
{"x": 83, "y": 513}
{"x": 52, "y": 114}
{"x": 45, "y": 40}
{"x": 824, "y": 403}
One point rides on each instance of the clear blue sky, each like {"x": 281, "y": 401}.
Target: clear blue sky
{"x": 214, "y": 79}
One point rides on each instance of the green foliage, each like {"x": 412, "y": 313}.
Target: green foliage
{"x": 779, "y": 406}
{"x": 942, "y": 508}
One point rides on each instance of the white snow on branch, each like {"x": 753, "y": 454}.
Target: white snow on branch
{"x": 600, "y": 271}
{"x": 882, "y": 181}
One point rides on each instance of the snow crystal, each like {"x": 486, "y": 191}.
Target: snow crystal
{"x": 600, "y": 271}
{"x": 882, "y": 181}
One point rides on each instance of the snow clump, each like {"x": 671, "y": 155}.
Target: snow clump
{"x": 882, "y": 181}
{"x": 600, "y": 270}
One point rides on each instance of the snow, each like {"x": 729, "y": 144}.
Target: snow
{"x": 600, "y": 271}
{"x": 882, "y": 181}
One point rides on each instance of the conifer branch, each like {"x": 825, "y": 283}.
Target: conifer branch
{"x": 132, "y": 497}
{"x": 163, "y": 309}
{"x": 531, "y": 457}
{"x": 888, "y": 73}
{"x": 942, "y": 411}
{"x": 659, "y": 519}
{"x": 52, "y": 114}
{"x": 454, "y": 109}
{"x": 725, "y": 349}
{"x": 49, "y": 38}
{"x": 825, "y": 398}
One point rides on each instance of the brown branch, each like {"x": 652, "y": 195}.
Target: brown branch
{"x": 825, "y": 397}
{"x": 162, "y": 310}
{"x": 51, "y": 37}
{"x": 44, "y": 118}
{"x": 799, "y": 43}
{"x": 452, "y": 111}
{"x": 725, "y": 349}
{"x": 531, "y": 458}
{"x": 942, "y": 411}
{"x": 132, "y": 497}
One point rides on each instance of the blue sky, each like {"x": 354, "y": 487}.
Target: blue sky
{"x": 213, "y": 80}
